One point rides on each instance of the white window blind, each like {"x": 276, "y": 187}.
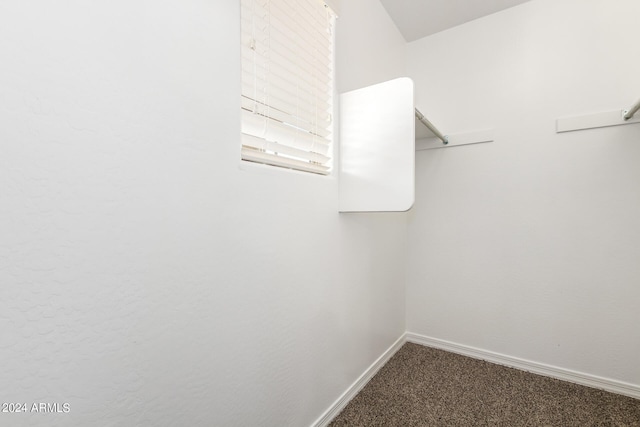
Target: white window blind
{"x": 287, "y": 83}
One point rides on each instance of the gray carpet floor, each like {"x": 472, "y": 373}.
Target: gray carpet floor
{"x": 421, "y": 386}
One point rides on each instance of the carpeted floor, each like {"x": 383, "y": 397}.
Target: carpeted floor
{"x": 421, "y": 386}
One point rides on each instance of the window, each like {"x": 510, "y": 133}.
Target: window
{"x": 287, "y": 83}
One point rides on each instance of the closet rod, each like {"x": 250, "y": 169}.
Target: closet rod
{"x": 432, "y": 128}
{"x": 632, "y": 110}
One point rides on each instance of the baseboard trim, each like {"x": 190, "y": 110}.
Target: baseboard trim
{"x": 580, "y": 378}
{"x": 355, "y": 388}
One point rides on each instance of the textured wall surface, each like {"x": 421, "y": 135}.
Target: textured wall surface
{"x": 137, "y": 282}
{"x": 529, "y": 246}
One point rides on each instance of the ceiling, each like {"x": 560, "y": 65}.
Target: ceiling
{"x": 419, "y": 18}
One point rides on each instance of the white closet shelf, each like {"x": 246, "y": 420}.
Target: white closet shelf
{"x": 599, "y": 120}
{"x": 429, "y": 137}
{"x": 463, "y": 138}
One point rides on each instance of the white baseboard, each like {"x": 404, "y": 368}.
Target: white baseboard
{"x": 354, "y": 388}
{"x": 588, "y": 380}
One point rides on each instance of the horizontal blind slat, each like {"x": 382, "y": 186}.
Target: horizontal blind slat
{"x": 274, "y": 62}
{"x": 260, "y": 157}
{"x": 297, "y": 18}
{"x": 315, "y": 15}
{"x": 273, "y": 147}
{"x": 305, "y": 55}
{"x": 271, "y": 130}
{"x": 285, "y": 100}
{"x": 271, "y": 111}
{"x": 266, "y": 26}
{"x": 280, "y": 77}
{"x": 286, "y": 25}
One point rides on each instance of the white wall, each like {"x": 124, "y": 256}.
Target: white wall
{"x": 137, "y": 282}
{"x": 530, "y": 246}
